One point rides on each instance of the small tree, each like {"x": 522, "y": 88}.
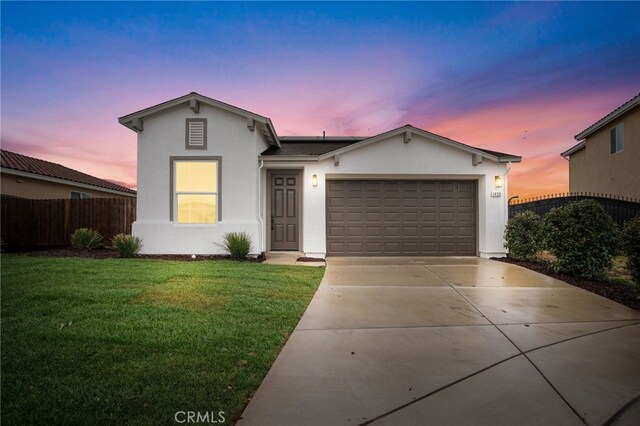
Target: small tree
{"x": 523, "y": 236}
{"x": 631, "y": 246}
{"x": 583, "y": 238}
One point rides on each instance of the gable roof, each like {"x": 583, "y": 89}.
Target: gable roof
{"x": 613, "y": 115}
{"x": 627, "y": 106}
{"x": 319, "y": 148}
{"x": 132, "y": 120}
{"x": 22, "y": 163}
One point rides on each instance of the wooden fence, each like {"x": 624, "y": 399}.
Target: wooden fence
{"x": 50, "y": 223}
{"x": 620, "y": 209}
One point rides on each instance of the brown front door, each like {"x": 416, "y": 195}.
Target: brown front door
{"x": 284, "y": 211}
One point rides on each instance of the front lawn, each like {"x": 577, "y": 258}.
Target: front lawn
{"x": 132, "y": 341}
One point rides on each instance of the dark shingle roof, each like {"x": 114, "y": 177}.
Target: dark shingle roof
{"x": 310, "y": 145}
{"x": 23, "y": 163}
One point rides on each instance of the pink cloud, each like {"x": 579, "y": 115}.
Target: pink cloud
{"x": 537, "y": 128}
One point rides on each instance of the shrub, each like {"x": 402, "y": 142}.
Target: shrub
{"x": 238, "y": 244}
{"x": 86, "y": 239}
{"x": 523, "y": 236}
{"x": 127, "y": 245}
{"x": 631, "y": 246}
{"x": 583, "y": 238}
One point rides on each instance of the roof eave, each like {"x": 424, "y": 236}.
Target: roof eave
{"x": 129, "y": 120}
{"x": 608, "y": 119}
{"x": 288, "y": 158}
{"x": 573, "y": 149}
{"x": 509, "y": 159}
{"x": 424, "y": 133}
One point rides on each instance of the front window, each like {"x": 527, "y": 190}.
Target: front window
{"x": 196, "y": 191}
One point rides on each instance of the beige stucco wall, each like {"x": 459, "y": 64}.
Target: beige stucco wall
{"x": 594, "y": 169}
{"x": 35, "y": 189}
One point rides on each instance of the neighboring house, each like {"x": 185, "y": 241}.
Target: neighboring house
{"x": 606, "y": 159}
{"x": 206, "y": 168}
{"x": 29, "y": 177}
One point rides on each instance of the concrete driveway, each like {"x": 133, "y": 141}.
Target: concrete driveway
{"x": 452, "y": 341}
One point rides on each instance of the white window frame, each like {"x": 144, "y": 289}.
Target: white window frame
{"x": 619, "y": 142}
{"x": 173, "y": 195}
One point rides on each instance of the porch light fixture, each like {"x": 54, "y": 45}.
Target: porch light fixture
{"x": 314, "y": 180}
{"x": 498, "y": 182}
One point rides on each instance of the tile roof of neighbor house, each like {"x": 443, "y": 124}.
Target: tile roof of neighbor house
{"x": 23, "y": 163}
{"x": 319, "y": 145}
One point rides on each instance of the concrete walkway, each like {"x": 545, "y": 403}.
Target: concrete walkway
{"x": 289, "y": 258}
{"x": 452, "y": 341}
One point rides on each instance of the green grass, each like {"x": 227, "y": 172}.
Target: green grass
{"x": 131, "y": 341}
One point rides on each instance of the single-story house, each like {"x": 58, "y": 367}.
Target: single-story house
{"x": 28, "y": 177}
{"x": 206, "y": 168}
{"x": 606, "y": 158}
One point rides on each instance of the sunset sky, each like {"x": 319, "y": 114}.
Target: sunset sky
{"x": 522, "y": 78}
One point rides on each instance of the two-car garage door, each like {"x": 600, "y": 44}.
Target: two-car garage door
{"x": 401, "y": 218}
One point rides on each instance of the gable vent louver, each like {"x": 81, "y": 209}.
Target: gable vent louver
{"x": 196, "y": 134}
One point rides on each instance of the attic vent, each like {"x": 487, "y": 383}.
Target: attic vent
{"x": 196, "y": 133}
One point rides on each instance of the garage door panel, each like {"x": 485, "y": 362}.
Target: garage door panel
{"x": 354, "y": 201}
{"x": 354, "y": 231}
{"x": 392, "y": 202}
{"x": 355, "y": 247}
{"x": 333, "y": 185}
{"x": 465, "y": 187}
{"x": 446, "y": 217}
{"x": 429, "y": 217}
{"x": 335, "y": 231}
{"x": 447, "y": 202}
{"x": 465, "y": 217}
{"x": 392, "y": 217}
{"x": 466, "y": 231}
{"x": 336, "y": 202}
{"x": 428, "y": 203}
{"x": 335, "y": 216}
{"x": 410, "y": 217}
{"x": 373, "y": 231}
{"x": 465, "y": 203}
{"x": 426, "y": 186}
{"x": 410, "y": 231}
{"x": 373, "y": 202}
{"x": 447, "y": 187}
{"x": 396, "y": 218}
{"x": 429, "y": 231}
{"x": 391, "y": 186}
{"x": 446, "y": 231}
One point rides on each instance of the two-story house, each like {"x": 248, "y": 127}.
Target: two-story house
{"x": 606, "y": 159}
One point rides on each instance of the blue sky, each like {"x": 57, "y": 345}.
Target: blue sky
{"x": 517, "y": 77}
